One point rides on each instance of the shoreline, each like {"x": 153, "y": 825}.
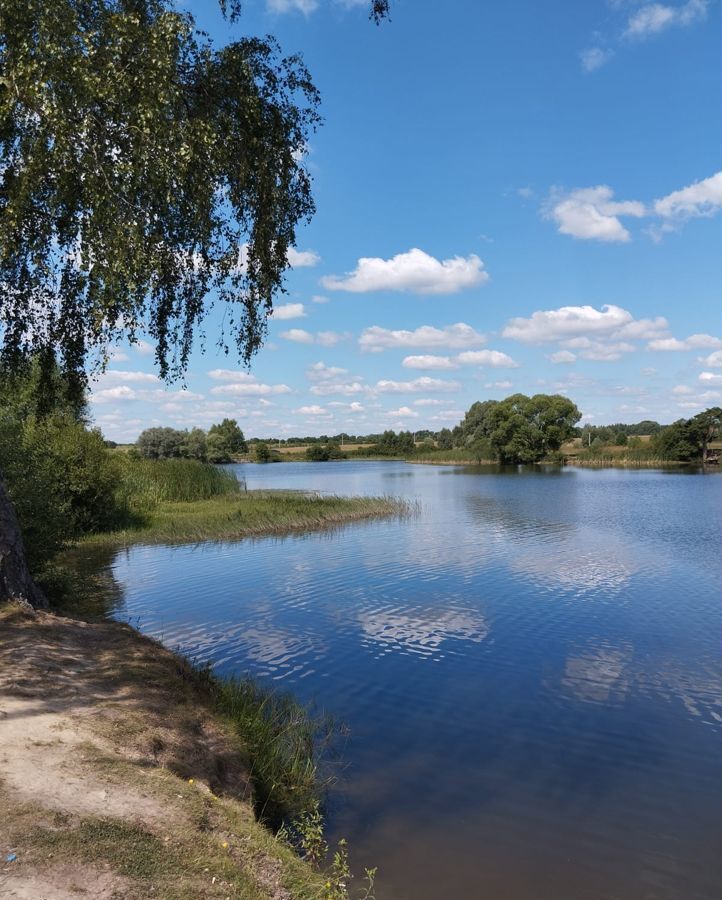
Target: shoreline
{"x": 120, "y": 777}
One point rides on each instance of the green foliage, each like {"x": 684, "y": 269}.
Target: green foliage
{"x": 324, "y": 452}
{"x": 161, "y": 443}
{"x": 262, "y": 452}
{"x": 62, "y": 481}
{"x": 519, "y": 429}
{"x": 225, "y": 441}
{"x": 144, "y": 483}
{"x": 284, "y": 741}
{"x": 135, "y": 160}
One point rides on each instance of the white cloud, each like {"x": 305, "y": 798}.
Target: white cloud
{"x": 568, "y": 322}
{"x": 428, "y": 362}
{"x": 562, "y": 356}
{"x": 144, "y": 348}
{"x": 114, "y": 376}
{"x": 710, "y": 378}
{"x": 703, "y": 198}
{"x": 289, "y": 311}
{"x": 452, "y": 337}
{"x": 118, "y": 355}
{"x": 413, "y": 271}
{"x": 428, "y": 401}
{"x": 283, "y": 6}
{"x": 324, "y": 338}
{"x": 594, "y": 58}
{"x": 243, "y": 384}
{"x": 108, "y": 395}
{"x": 246, "y": 389}
{"x": 311, "y": 410}
{"x": 302, "y": 258}
{"x": 655, "y": 17}
{"x": 424, "y": 383}
{"x": 693, "y": 342}
{"x": 318, "y": 298}
{"x": 714, "y": 359}
{"x": 320, "y": 371}
{"x": 298, "y": 336}
{"x": 346, "y": 388}
{"x": 591, "y": 213}
{"x": 403, "y": 412}
{"x": 492, "y": 358}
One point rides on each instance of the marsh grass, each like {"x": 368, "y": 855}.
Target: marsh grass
{"x": 235, "y": 515}
{"x": 285, "y": 743}
{"x": 145, "y": 482}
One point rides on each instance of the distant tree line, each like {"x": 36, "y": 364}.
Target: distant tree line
{"x": 220, "y": 444}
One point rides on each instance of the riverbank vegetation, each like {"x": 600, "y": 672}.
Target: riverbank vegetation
{"x": 186, "y": 777}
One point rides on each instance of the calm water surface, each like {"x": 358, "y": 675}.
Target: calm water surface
{"x": 529, "y": 671}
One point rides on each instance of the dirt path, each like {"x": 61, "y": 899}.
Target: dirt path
{"x": 116, "y": 781}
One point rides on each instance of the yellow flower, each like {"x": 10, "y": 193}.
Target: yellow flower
{"x": 190, "y": 781}
{"x": 224, "y": 845}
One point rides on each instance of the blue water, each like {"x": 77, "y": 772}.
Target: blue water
{"x": 529, "y": 670}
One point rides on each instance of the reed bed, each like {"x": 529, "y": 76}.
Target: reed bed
{"x": 238, "y": 515}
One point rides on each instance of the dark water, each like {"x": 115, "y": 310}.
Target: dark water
{"x": 529, "y": 671}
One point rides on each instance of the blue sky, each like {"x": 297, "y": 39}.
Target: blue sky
{"x": 514, "y": 196}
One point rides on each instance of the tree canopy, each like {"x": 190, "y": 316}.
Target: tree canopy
{"x": 519, "y": 429}
{"x": 143, "y": 171}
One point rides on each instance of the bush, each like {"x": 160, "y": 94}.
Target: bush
{"x": 61, "y": 479}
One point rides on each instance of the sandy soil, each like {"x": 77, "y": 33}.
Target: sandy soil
{"x": 103, "y": 729}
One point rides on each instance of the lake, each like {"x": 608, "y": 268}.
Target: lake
{"x": 529, "y": 670}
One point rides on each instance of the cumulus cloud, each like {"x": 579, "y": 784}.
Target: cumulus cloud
{"x": 311, "y": 410}
{"x": 403, "y": 412}
{"x": 318, "y": 298}
{"x": 693, "y": 342}
{"x": 591, "y": 213}
{"x": 562, "y": 356}
{"x": 324, "y": 338}
{"x": 289, "y": 311}
{"x": 414, "y": 271}
{"x": 108, "y": 395}
{"x": 429, "y": 362}
{"x": 714, "y": 360}
{"x": 652, "y": 18}
{"x": 428, "y": 401}
{"x": 703, "y": 198}
{"x": 244, "y": 385}
{"x": 114, "y": 376}
{"x": 451, "y": 337}
{"x": 302, "y": 258}
{"x": 574, "y": 325}
{"x": 424, "y": 383}
{"x": 710, "y": 378}
{"x": 492, "y": 358}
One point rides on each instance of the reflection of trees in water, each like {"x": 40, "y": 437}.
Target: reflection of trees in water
{"x": 98, "y": 594}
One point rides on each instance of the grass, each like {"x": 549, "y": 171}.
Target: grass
{"x": 457, "y": 456}
{"x": 180, "y": 739}
{"x": 284, "y": 742}
{"x": 237, "y": 515}
{"x": 147, "y": 482}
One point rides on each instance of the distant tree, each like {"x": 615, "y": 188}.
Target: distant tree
{"x": 525, "y": 429}
{"x": 444, "y": 439}
{"x": 160, "y": 443}
{"x": 225, "y": 440}
{"x": 620, "y": 439}
{"x": 195, "y": 445}
{"x": 262, "y": 452}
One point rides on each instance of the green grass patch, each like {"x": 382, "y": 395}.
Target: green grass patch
{"x": 236, "y": 515}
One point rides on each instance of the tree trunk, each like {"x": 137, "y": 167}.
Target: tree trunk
{"x": 16, "y": 583}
